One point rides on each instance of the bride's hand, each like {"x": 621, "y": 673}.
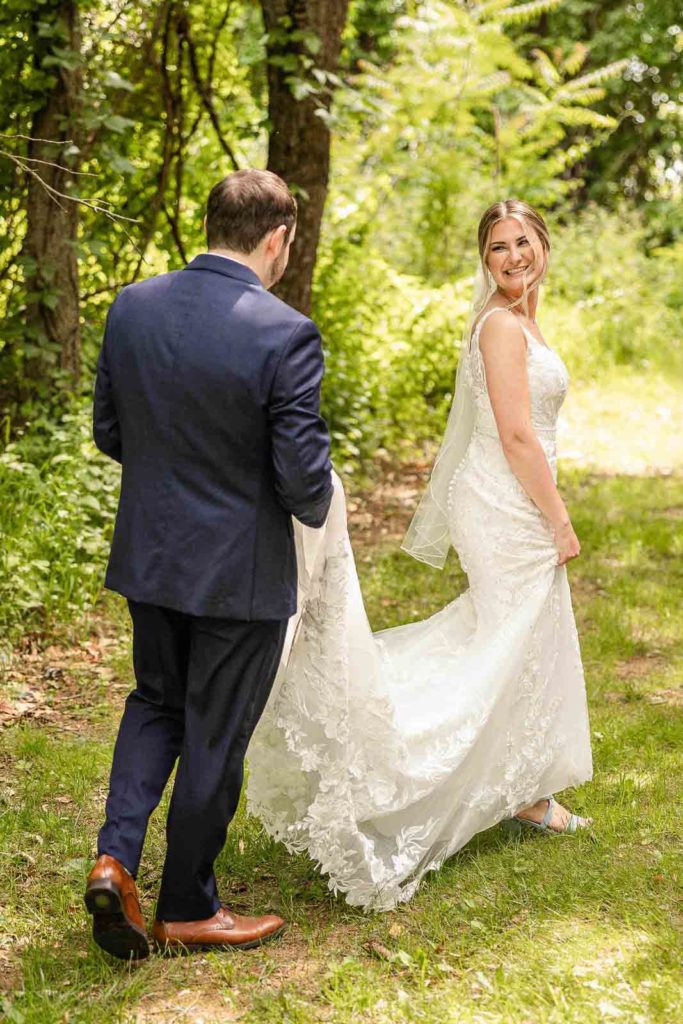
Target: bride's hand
{"x": 567, "y": 542}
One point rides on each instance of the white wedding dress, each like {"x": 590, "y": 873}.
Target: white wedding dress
{"x": 381, "y": 755}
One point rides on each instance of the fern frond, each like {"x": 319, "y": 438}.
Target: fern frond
{"x": 575, "y": 60}
{"x": 489, "y": 9}
{"x": 577, "y": 116}
{"x": 545, "y": 67}
{"x": 492, "y": 83}
{"x": 603, "y": 74}
{"x": 527, "y": 12}
{"x": 582, "y": 98}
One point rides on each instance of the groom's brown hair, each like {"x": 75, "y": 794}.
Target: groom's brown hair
{"x": 244, "y": 207}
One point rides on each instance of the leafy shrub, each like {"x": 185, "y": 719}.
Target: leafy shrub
{"x": 57, "y": 504}
{"x": 608, "y": 302}
{"x": 391, "y": 345}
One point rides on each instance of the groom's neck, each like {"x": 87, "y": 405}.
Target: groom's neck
{"x": 241, "y": 257}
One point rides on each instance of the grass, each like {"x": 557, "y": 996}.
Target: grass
{"x": 626, "y": 425}
{"x": 511, "y": 931}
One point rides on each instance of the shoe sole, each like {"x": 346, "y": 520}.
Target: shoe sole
{"x": 515, "y": 827}
{"x": 182, "y": 948}
{"x": 112, "y": 930}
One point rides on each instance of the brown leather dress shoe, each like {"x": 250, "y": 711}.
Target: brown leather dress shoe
{"x": 222, "y": 930}
{"x": 112, "y": 898}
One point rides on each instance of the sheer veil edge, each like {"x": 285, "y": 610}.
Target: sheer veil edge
{"x": 428, "y": 537}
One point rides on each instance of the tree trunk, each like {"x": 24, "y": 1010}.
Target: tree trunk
{"x": 52, "y": 221}
{"x": 299, "y": 145}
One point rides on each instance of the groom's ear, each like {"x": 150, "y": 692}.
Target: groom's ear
{"x": 276, "y": 240}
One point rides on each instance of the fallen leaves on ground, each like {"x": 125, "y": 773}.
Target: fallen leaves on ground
{"x": 53, "y": 684}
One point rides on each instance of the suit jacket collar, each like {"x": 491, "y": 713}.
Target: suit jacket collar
{"x": 224, "y": 265}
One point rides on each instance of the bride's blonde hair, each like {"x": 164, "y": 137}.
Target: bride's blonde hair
{"x": 528, "y": 217}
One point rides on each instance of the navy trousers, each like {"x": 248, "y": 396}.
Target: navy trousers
{"x": 202, "y": 684}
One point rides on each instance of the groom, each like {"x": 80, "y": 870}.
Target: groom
{"x": 207, "y": 393}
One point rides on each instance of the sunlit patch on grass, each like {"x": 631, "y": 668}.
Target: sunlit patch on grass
{"x": 602, "y": 427}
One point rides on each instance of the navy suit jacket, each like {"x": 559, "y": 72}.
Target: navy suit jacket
{"x": 208, "y": 394}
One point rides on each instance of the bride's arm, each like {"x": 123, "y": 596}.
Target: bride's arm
{"x": 503, "y": 348}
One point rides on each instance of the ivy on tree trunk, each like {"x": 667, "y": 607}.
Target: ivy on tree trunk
{"x": 51, "y": 219}
{"x": 304, "y": 43}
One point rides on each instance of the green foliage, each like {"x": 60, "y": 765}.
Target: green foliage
{"x": 522, "y": 13}
{"x": 609, "y": 303}
{"x": 459, "y": 118}
{"x": 446, "y": 106}
{"x": 392, "y": 340}
{"x": 641, "y": 158}
{"x": 57, "y": 501}
{"x": 391, "y": 345}
{"x": 173, "y": 97}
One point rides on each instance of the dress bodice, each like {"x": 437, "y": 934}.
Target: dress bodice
{"x": 548, "y": 384}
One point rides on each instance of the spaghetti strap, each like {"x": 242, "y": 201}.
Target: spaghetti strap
{"x": 474, "y": 337}
{"x": 494, "y": 309}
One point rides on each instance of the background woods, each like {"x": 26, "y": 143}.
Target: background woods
{"x": 114, "y": 119}
{"x": 396, "y": 122}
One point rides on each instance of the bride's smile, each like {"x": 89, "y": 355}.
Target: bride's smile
{"x": 515, "y": 260}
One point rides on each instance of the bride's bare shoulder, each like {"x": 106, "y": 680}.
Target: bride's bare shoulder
{"x": 502, "y": 329}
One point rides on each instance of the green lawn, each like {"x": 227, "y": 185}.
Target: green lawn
{"x": 512, "y": 931}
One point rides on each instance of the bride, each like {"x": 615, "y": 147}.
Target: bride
{"x": 381, "y": 755}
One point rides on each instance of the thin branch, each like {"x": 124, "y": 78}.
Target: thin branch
{"x": 50, "y": 163}
{"x": 167, "y": 153}
{"x": 34, "y": 174}
{"x": 162, "y": 16}
{"x": 212, "y": 63}
{"x": 216, "y": 39}
{"x": 175, "y": 231}
{"x": 173, "y": 219}
{"x": 53, "y": 192}
{"x": 204, "y": 91}
{"x": 195, "y": 125}
{"x": 32, "y": 138}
